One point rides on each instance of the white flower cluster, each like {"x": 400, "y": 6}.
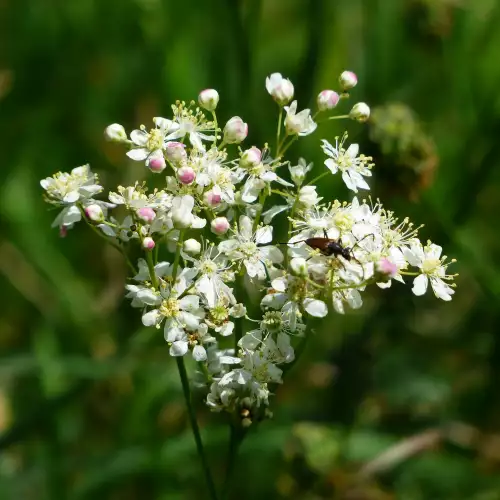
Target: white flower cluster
{"x": 212, "y": 217}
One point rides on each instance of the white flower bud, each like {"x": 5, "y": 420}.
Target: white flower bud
{"x": 208, "y": 99}
{"x": 220, "y": 225}
{"x": 238, "y": 311}
{"x": 281, "y": 89}
{"x": 308, "y": 196}
{"x": 146, "y": 214}
{"x": 94, "y": 213}
{"x": 182, "y": 207}
{"x": 327, "y": 99}
{"x": 348, "y": 80}
{"x": 148, "y": 243}
{"x": 175, "y": 151}
{"x": 115, "y": 132}
{"x": 251, "y": 157}
{"x": 298, "y": 172}
{"x": 192, "y": 246}
{"x": 235, "y": 130}
{"x": 360, "y": 112}
{"x": 298, "y": 267}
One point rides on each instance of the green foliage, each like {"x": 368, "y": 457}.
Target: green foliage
{"x": 90, "y": 402}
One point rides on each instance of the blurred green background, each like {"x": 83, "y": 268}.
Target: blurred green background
{"x": 399, "y": 400}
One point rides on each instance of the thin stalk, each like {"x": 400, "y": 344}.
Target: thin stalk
{"x": 278, "y": 132}
{"x": 178, "y": 254}
{"x": 214, "y": 116}
{"x": 235, "y": 439}
{"x": 194, "y": 427}
{"x": 318, "y": 178}
{"x": 151, "y": 268}
{"x": 288, "y": 145}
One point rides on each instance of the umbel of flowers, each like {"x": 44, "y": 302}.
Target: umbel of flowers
{"x": 207, "y": 234}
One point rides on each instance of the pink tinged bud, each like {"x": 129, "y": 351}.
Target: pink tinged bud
{"x": 157, "y": 164}
{"x": 94, "y": 213}
{"x": 146, "y": 214}
{"x": 175, "y": 151}
{"x": 327, "y": 99}
{"x": 386, "y": 268}
{"x": 281, "y": 89}
{"x": 220, "y": 225}
{"x": 251, "y": 157}
{"x": 148, "y": 243}
{"x": 348, "y": 80}
{"x": 360, "y": 112}
{"x": 213, "y": 199}
{"x": 186, "y": 175}
{"x": 208, "y": 99}
{"x": 235, "y": 130}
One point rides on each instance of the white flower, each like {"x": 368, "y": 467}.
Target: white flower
{"x": 281, "y": 89}
{"x": 66, "y": 189}
{"x": 191, "y": 124}
{"x": 244, "y": 248}
{"x": 212, "y": 269}
{"x": 352, "y": 166}
{"x": 63, "y": 188}
{"x": 299, "y": 172}
{"x": 181, "y": 214}
{"x": 142, "y": 296}
{"x": 259, "y": 176}
{"x": 433, "y": 268}
{"x": 299, "y": 123}
{"x": 308, "y": 196}
{"x": 150, "y": 145}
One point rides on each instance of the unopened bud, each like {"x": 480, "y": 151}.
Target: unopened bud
{"x": 115, "y": 132}
{"x": 235, "y": 130}
{"x": 327, "y": 99}
{"x": 348, "y": 80}
{"x": 146, "y": 214}
{"x": 148, "y": 243}
{"x": 385, "y": 270}
{"x": 186, "y": 175}
{"x": 208, "y": 99}
{"x": 220, "y": 225}
{"x": 192, "y": 246}
{"x": 212, "y": 199}
{"x": 298, "y": 267}
{"x": 281, "y": 89}
{"x": 157, "y": 164}
{"x": 360, "y": 112}
{"x": 251, "y": 157}
{"x": 175, "y": 151}
{"x": 94, "y": 213}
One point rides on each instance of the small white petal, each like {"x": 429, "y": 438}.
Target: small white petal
{"x": 151, "y": 318}
{"x": 138, "y": 154}
{"x": 420, "y": 284}
{"x": 199, "y": 353}
{"x": 179, "y": 348}
{"x": 316, "y": 308}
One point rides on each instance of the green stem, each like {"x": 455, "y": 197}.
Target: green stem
{"x": 151, "y": 267}
{"x": 235, "y": 439}
{"x": 318, "y": 178}
{"x": 215, "y": 127}
{"x": 262, "y": 200}
{"x": 288, "y": 145}
{"x": 278, "y": 132}
{"x": 194, "y": 426}
{"x": 178, "y": 254}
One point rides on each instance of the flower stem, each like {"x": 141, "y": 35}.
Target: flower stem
{"x": 194, "y": 426}
{"x": 178, "y": 254}
{"x": 318, "y": 178}
{"x": 278, "y": 132}
{"x": 288, "y": 145}
{"x": 151, "y": 268}
{"x": 235, "y": 439}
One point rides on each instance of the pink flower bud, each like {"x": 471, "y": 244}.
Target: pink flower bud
{"x": 360, "y": 112}
{"x": 220, "y": 225}
{"x": 208, "y": 99}
{"x": 148, "y": 243}
{"x": 235, "y": 130}
{"x": 213, "y": 199}
{"x": 251, "y": 157}
{"x": 186, "y": 175}
{"x": 327, "y": 99}
{"x": 386, "y": 269}
{"x": 281, "y": 89}
{"x": 157, "y": 164}
{"x": 175, "y": 151}
{"x": 94, "y": 212}
{"x": 348, "y": 80}
{"x": 146, "y": 214}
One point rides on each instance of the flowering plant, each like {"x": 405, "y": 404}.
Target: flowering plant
{"x": 212, "y": 222}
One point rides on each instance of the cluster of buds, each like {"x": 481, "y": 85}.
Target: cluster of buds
{"x": 208, "y": 231}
